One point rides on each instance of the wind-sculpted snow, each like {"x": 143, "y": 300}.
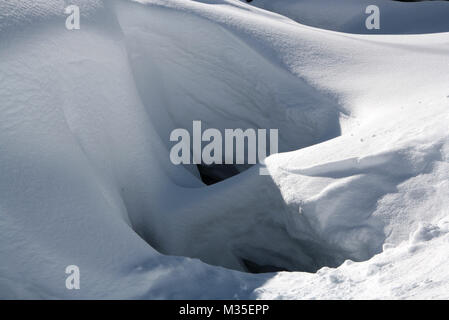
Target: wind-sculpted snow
{"x": 86, "y": 178}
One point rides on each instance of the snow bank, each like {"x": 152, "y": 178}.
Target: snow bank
{"x": 414, "y": 270}
{"x": 86, "y": 179}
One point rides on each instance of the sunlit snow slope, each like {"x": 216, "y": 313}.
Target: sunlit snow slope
{"x": 86, "y": 179}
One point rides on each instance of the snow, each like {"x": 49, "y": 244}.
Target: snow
{"x": 355, "y": 205}
{"x": 413, "y": 270}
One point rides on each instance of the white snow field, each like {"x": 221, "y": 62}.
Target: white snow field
{"x": 356, "y": 205}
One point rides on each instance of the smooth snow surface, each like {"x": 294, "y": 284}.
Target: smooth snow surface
{"x": 86, "y": 180}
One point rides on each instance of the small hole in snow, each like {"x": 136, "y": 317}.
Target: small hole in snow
{"x": 211, "y": 174}
{"x": 253, "y": 267}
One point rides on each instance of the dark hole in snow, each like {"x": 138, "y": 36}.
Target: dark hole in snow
{"x": 253, "y": 267}
{"x": 211, "y": 174}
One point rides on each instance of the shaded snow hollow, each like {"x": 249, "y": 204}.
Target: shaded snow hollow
{"x": 85, "y": 176}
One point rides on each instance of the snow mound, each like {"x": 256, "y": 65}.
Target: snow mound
{"x": 86, "y": 179}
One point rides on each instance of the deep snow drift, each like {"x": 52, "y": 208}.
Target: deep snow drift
{"x": 85, "y": 176}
